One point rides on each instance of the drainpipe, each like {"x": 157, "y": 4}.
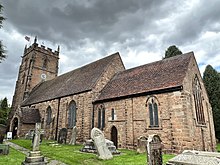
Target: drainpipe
{"x": 58, "y": 112}
{"x": 132, "y": 120}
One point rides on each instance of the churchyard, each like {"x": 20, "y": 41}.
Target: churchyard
{"x": 70, "y": 154}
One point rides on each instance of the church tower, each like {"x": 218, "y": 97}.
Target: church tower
{"x": 38, "y": 64}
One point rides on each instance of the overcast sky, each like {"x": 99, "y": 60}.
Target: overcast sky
{"x": 87, "y": 30}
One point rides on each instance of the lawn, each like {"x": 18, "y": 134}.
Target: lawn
{"x": 71, "y": 155}
{"x": 14, "y": 157}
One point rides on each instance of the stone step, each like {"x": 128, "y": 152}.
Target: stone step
{"x": 34, "y": 153}
{"x": 34, "y": 159}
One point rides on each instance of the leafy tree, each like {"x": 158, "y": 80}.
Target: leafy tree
{"x": 4, "y": 111}
{"x": 2, "y": 51}
{"x": 172, "y": 51}
{"x": 211, "y": 80}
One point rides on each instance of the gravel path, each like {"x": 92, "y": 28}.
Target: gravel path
{"x": 26, "y": 152}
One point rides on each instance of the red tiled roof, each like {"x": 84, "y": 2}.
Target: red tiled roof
{"x": 163, "y": 74}
{"x": 76, "y": 81}
{"x": 30, "y": 115}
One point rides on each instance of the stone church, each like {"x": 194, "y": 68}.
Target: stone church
{"x": 166, "y": 97}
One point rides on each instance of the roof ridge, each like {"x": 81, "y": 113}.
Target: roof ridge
{"x": 60, "y": 85}
{"x": 166, "y": 59}
{"x": 167, "y": 73}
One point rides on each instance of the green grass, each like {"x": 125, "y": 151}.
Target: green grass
{"x": 218, "y": 147}
{"x": 23, "y": 142}
{"x": 71, "y": 155}
{"x": 14, "y": 157}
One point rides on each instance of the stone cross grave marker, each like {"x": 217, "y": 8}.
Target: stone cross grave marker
{"x": 62, "y": 136}
{"x": 99, "y": 141}
{"x": 74, "y": 134}
{"x": 154, "y": 150}
{"x": 141, "y": 144}
{"x": 37, "y": 134}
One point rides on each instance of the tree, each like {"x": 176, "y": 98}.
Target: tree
{"x": 4, "y": 111}
{"x": 2, "y": 51}
{"x": 172, "y": 51}
{"x": 211, "y": 80}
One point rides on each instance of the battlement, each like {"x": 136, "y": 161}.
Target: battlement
{"x": 41, "y": 48}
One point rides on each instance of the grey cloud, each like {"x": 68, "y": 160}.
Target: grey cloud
{"x": 70, "y": 22}
{"x": 201, "y": 18}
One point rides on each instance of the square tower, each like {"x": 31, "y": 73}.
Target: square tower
{"x": 38, "y": 64}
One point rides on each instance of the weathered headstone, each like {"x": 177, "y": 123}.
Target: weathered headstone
{"x": 189, "y": 157}
{"x": 4, "y": 149}
{"x": 35, "y": 157}
{"x": 74, "y": 134}
{"x": 89, "y": 147}
{"x": 141, "y": 144}
{"x": 29, "y": 134}
{"x": 154, "y": 150}
{"x": 2, "y": 132}
{"x": 62, "y": 136}
{"x": 99, "y": 141}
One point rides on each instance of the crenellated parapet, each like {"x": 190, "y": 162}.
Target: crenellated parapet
{"x": 41, "y": 48}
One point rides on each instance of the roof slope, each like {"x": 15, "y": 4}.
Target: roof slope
{"x": 30, "y": 115}
{"x": 76, "y": 81}
{"x": 164, "y": 74}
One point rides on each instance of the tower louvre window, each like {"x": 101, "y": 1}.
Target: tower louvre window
{"x": 45, "y": 62}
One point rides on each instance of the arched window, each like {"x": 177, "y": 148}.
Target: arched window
{"x": 72, "y": 114}
{"x": 197, "y": 94}
{"x": 49, "y": 115}
{"x": 153, "y": 112}
{"x": 101, "y": 117}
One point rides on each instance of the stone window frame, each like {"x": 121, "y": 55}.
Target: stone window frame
{"x": 101, "y": 116}
{"x": 153, "y": 121}
{"x": 113, "y": 114}
{"x": 45, "y": 62}
{"x": 71, "y": 118}
{"x": 198, "y": 101}
{"x": 49, "y": 115}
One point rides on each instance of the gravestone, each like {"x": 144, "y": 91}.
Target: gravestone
{"x": 73, "y": 137}
{"x": 89, "y": 147}
{"x": 141, "y": 144}
{"x": 35, "y": 157}
{"x": 2, "y": 132}
{"x": 62, "y": 136}
{"x": 4, "y": 149}
{"x": 29, "y": 134}
{"x": 37, "y": 137}
{"x": 154, "y": 150}
{"x": 100, "y": 144}
{"x": 193, "y": 157}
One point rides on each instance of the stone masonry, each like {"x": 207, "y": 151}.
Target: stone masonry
{"x": 178, "y": 127}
